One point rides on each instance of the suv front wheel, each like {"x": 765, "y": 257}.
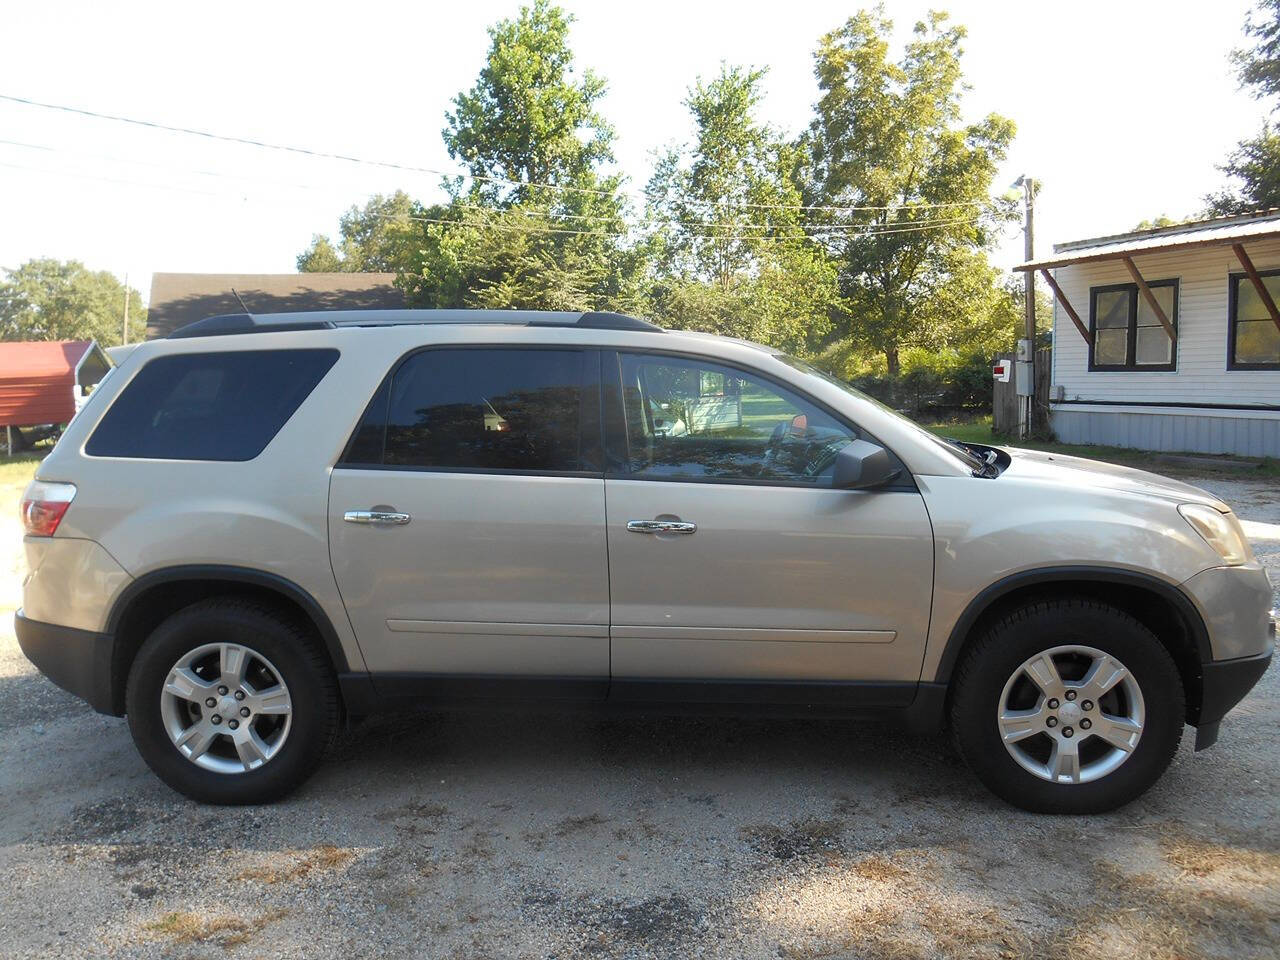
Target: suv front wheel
{"x": 1068, "y": 706}
{"x": 231, "y": 702}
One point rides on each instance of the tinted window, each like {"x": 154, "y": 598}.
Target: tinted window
{"x": 208, "y": 406}
{"x": 478, "y": 409}
{"x": 697, "y": 420}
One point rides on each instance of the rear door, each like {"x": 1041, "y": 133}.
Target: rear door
{"x": 731, "y": 556}
{"x": 466, "y": 520}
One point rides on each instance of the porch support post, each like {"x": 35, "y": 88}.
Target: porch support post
{"x": 1066, "y": 305}
{"x": 1150, "y": 297}
{"x": 1263, "y": 293}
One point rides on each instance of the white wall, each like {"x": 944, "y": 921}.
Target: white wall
{"x": 1201, "y": 375}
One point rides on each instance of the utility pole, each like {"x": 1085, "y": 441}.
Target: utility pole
{"x": 1025, "y": 367}
{"x": 124, "y": 334}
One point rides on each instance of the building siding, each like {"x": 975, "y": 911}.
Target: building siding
{"x": 1201, "y": 375}
{"x": 1181, "y": 431}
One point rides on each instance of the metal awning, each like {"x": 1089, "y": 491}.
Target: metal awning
{"x": 1218, "y": 232}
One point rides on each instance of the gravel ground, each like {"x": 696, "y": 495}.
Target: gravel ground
{"x": 518, "y": 835}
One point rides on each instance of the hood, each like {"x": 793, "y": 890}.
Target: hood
{"x": 1081, "y": 473}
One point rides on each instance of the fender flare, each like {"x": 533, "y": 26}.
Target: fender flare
{"x": 1062, "y": 574}
{"x": 246, "y": 575}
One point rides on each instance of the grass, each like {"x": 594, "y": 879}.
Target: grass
{"x": 16, "y": 472}
{"x": 979, "y": 431}
{"x": 184, "y": 926}
{"x": 324, "y": 857}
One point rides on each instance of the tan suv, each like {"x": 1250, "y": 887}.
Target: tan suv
{"x": 264, "y": 523}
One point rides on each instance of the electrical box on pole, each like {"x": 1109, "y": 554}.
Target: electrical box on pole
{"x": 1024, "y": 377}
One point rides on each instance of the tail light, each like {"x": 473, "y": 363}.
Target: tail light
{"x": 43, "y": 506}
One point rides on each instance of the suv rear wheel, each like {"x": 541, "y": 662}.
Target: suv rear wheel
{"x": 230, "y": 702}
{"x": 1068, "y": 706}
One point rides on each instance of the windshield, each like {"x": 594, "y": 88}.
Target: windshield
{"x": 952, "y": 447}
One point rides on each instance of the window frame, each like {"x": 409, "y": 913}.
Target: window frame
{"x": 616, "y": 454}
{"x": 1233, "y": 303}
{"x": 1131, "y": 338}
{"x": 590, "y": 421}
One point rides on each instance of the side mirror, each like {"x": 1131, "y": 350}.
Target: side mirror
{"x": 861, "y": 465}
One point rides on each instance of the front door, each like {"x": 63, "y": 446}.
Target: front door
{"x": 732, "y": 558}
{"x": 466, "y": 520}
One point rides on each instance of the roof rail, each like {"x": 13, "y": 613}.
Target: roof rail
{"x": 236, "y": 323}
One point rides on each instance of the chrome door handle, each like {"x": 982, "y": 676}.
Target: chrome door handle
{"x": 375, "y": 516}
{"x": 661, "y": 526}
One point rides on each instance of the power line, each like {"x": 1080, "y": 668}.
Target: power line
{"x": 723, "y": 229}
{"x": 531, "y": 228}
{"x": 408, "y": 168}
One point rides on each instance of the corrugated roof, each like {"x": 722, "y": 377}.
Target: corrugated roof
{"x": 37, "y": 381}
{"x": 1199, "y": 233}
{"x": 181, "y": 298}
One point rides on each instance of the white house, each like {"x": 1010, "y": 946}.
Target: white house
{"x": 1169, "y": 339}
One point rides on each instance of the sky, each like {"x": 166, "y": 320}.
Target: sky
{"x": 1124, "y": 110}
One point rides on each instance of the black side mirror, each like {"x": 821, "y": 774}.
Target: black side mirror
{"x": 861, "y": 465}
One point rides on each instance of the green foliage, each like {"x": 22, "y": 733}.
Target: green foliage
{"x": 1260, "y": 66}
{"x": 527, "y": 119}
{"x": 730, "y": 254}
{"x": 729, "y": 243}
{"x": 45, "y": 299}
{"x": 888, "y": 136}
{"x": 1254, "y": 165}
{"x": 379, "y": 237}
{"x": 509, "y": 240}
{"x": 933, "y": 385}
{"x": 1158, "y": 222}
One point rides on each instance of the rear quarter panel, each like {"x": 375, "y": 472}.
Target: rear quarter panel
{"x": 267, "y": 514}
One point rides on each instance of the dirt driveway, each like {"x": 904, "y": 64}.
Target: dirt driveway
{"x": 519, "y": 835}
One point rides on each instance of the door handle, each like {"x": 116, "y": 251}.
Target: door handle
{"x": 375, "y": 516}
{"x": 661, "y": 526}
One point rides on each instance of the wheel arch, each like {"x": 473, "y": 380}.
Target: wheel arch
{"x": 153, "y": 597}
{"x": 1159, "y": 605}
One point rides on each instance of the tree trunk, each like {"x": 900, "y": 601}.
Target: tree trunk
{"x": 891, "y": 359}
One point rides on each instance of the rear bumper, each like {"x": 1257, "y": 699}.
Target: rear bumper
{"x": 78, "y": 661}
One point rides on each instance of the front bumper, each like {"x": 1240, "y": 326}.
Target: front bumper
{"x": 78, "y": 661}
{"x": 1225, "y": 683}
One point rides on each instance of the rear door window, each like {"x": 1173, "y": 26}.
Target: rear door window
{"x": 483, "y": 409}
{"x": 208, "y": 406}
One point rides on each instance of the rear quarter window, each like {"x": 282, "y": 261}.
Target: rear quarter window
{"x": 208, "y": 406}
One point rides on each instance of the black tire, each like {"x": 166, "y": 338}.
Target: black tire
{"x": 294, "y": 652}
{"x": 991, "y": 660}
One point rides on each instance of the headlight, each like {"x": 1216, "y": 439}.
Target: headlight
{"x": 1220, "y": 530}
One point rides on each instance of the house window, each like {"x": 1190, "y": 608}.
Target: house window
{"x": 1254, "y": 340}
{"x": 1127, "y": 334}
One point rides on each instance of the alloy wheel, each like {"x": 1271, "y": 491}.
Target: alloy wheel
{"x": 226, "y": 708}
{"x": 1071, "y": 714}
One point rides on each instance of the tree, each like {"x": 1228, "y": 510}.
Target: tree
{"x": 380, "y": 237}
{"x": 527, "y": 120}
{"x": 1254, "y": 166}
{"x": 45, "y": 299}
{"x": 729, "y": 247}
{"x": 539, "y": 225}
{"x": 1157, "y": 223}
{"x": 912, "y": 183}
